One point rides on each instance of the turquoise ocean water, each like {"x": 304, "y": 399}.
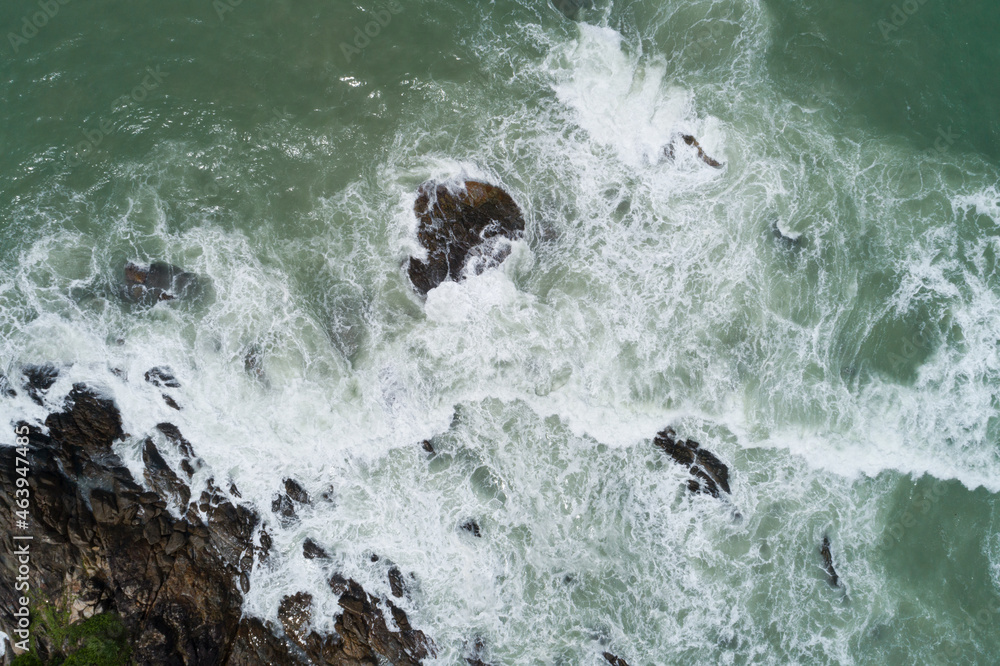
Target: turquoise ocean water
{"x": 823, "y": 313}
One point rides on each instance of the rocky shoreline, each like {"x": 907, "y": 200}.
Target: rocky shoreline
{"x": 106, "y": 547}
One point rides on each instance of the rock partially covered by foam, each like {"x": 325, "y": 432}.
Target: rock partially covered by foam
{"x": 710, "y": 473}
{"x": 465, "y": 230}
{"x": 668, "y": 151}
{"x": 159, "y": 281}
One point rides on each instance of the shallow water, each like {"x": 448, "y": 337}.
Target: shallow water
{"x": 823, "y": 313}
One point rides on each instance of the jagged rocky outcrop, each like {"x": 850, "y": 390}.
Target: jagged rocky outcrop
{"x": 362, "y": 635}
{"x": 465, "y": 230}
{"x": 107, "y": 545}
{"x": 102, "y": 543}
{"x": 710, "y": 473}
{"x": 669, "y": 151}
{"x": 284, "y": 504}
{"x": 159, "y": 281}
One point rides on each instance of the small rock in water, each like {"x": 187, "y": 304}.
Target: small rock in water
{"x": 312, "y": 551}
{"x": 613, "y": 660}
{"x": 159, "y": 281}
{"x": 396, "y": 582}
{"x": 296, "y": 492}
{"x": 265, "y": 544}
{"x": 283, "y": 506}
{"x": 463, "y": 230}
{"x": 668, "y": 151}
{"x": 427, "y": 446}
{"x": 831, "y": 573}
{"x": 253, "y": 363}
{"x": 38, "y": 379}
{"x": 171, "y": 402}
{"x": 162, "y": 377}
{"x": 702, "y": 464}
{"x": 472, "y": 527}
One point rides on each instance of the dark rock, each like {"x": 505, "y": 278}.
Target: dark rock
{"x": 295, "y": 615}
{"x": 91, "y": 422}
{"x": 158, "y": 282}
{"x": 831, "y": 573}
{"x": 111, "y": 546}
{"x": 177, "y": 583}
{"x": 613, "y": 660}
{"x": 283, "y": 506}
{"x": 161, "y": 477}
{"x": 189, "y": 461}
{"x": 713, "y": 474}
{"x": 312, "y": 551}
{"x": 668, "y": 151}
{"x": 472, "y": 527}
{"x": 296, "y": 491}
{"x": 396, "y": 582}
{"x": 427, "y": 446}
{"x": 463, "y": 230}
{"x": 256, "y": 644}
{"x": 265, "y": 544}
{"x": 170, "y": 402}
{"x": 163, "y": 377}
{"x": 38, "y": 379}
{"x": 365, "y": 634}
{"x": 173, "y": 433}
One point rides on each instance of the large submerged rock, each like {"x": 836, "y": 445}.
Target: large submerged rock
{"x": 464, "y": 230}
{"x": 159, "y": 281}
{"x": 710, "y": 473}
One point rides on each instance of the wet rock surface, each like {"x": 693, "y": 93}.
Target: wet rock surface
{"x": 687, "y": 139}
{"x": 710, "y": 473}
{"x": 112, "y": 544}
{"x": 159, "y": 281}
{"x": 364, "y": 633}
{"x": 38, "y": 379}
{"x": 472, "y": 527}
{"x": 464, "y": 230}
{"x": 313, "y": 551}
{"x": 175, "y": 579}
{"x": 162, "y": 376}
